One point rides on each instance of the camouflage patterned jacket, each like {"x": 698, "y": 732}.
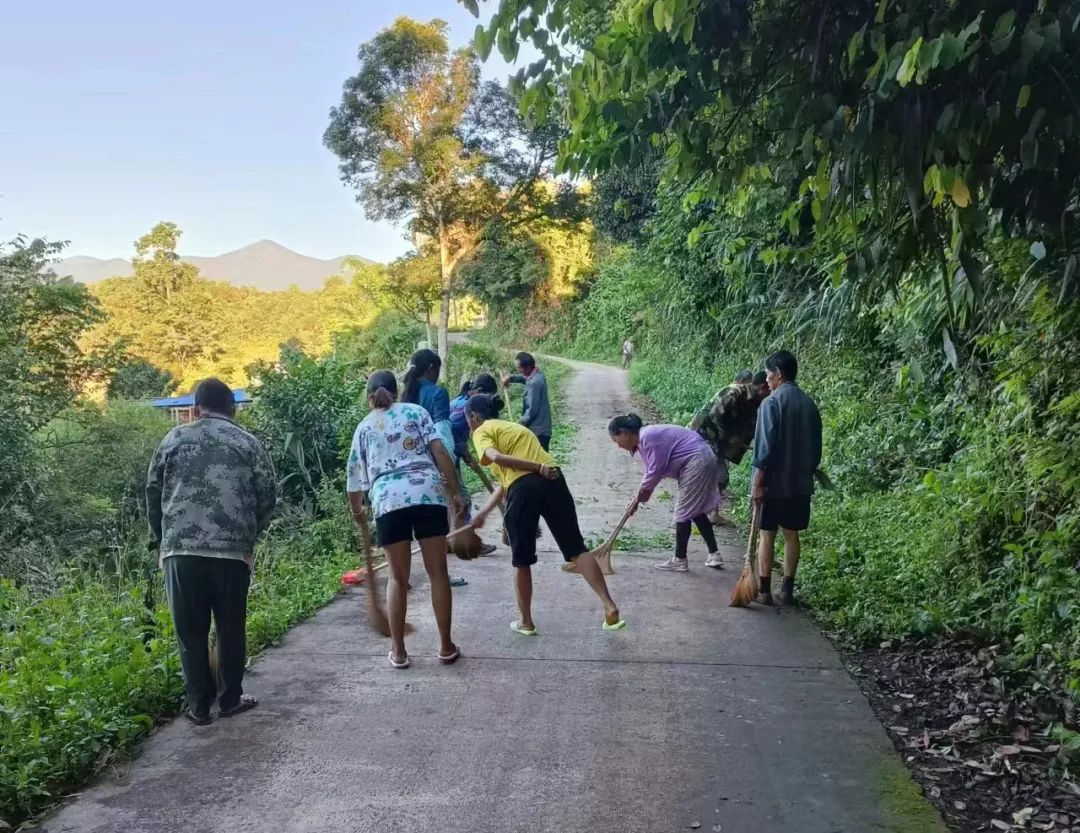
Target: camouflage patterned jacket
{"x": 728, "y": 422}
{"x": 210, "y": 490}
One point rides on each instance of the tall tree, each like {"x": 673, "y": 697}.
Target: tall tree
{"x": 167, "y": 313}
{"x": 156, "y": 264}
{"x": 422, "y": 141}
{"x": 42, "y": 367}
{"x": 411, "y": 285}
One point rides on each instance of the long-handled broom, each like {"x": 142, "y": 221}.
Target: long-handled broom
{"x": 746, "y": 588}
{"x": 602, "y": 553}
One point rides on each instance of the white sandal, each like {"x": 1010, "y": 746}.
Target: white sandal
{"x": 399, "y": 664}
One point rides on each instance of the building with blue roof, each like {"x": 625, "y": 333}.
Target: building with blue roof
{"x": 182, "y": 408}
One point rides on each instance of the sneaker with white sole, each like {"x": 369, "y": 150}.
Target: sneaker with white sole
{"x": 715, "y": 561}
{"x": 674, "y": 565}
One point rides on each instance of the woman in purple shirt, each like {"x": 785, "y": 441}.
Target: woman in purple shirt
{"x": 683, "y": 455}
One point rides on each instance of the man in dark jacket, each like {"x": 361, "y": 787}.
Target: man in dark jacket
{"x": 787, "y": 451}
{"x": 536, "y": 407}
{"x": 210, "y": 491}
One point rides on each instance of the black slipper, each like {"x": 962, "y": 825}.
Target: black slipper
{"x": 198, "y": 720}
{"x": 247, "y": 703}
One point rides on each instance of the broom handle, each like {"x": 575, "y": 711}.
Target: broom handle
{"x": 506, "y": 401}
{"x": 619, "y": 525}
{"x": 365, "y": 545}
{"x": 755, "y": 512}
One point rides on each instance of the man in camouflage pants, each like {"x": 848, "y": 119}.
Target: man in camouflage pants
{"x": 728, "y": 423}
{"x": 210, "y": 491}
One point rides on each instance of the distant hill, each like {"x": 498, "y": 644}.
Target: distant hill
{"x": 264, "y": 265}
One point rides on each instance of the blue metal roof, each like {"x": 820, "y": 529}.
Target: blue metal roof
{"x": 240, "y": 396}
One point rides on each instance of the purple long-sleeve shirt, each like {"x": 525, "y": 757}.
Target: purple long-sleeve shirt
{"x": 664, "y": 450}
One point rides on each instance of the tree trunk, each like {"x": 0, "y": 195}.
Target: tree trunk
{"x": 427, "y": 326}
{"x": 445, "y": 271}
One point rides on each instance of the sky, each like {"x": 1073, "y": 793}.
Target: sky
{"x": 117, "y": 114}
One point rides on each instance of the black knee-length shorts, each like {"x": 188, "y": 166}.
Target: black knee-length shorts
{"x": 531, "y": 498}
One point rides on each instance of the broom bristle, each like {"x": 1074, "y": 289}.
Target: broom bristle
{"x": 602, "y": 554}
{"x": 745, "y": 590}
{"x": 377, "y": 617}
{"x": 215, "y": 663}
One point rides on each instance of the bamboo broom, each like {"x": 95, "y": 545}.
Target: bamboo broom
{"x": 377, "y": 617}
{"x": 746, "y": 588}
{"x": 602, "y": 553}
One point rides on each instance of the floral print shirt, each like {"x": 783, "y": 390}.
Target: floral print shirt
{"x": 391, "y": 460}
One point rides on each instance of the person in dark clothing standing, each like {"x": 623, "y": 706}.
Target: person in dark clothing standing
{"x": 536, "y": 406}
{"x": 787, "y": 451}
{"x": 210, "y": 492}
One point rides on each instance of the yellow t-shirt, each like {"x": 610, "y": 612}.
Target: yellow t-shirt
{"x": 513, "y": 440}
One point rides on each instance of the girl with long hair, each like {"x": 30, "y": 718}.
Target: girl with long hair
{"x": 422, "y": 388}
{"x": 398, "y": 466}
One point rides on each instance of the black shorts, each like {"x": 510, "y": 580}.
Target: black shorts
{"x": 545, "y": 441}
{"x": 786, "y": 513}
{"x": 533, "y": 497}
{"x": 412, "y": 522}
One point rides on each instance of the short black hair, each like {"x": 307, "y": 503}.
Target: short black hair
{"x": 760, "y": 378}
{"x": 625, "y": 424}
{"x": 485, "y": 383}
{"x": 214, "y": 395}
{"x": 785, "y": 363}
{"x": 525, "y": 359}
{"x": 744, "y": 376}
{"x": 483, "y": 406}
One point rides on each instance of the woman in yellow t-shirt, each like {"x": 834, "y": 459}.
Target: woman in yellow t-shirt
{"x": 534, "y": 489}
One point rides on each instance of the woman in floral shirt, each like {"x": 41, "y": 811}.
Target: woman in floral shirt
{"x": 399, "y": 463}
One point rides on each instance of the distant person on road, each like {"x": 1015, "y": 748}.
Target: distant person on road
{"x": 536, "y": 407}
{"x": 728, "y": 423}
{"x": 534, "y": 488}
{"x": 627, "y": 352}
{"x": 679, "y": 453}
{"x": 210, "y": 492}
{"x": 787, "y": 451}
{"x": 400, "y": 467}
{"x": 422, "y": 388}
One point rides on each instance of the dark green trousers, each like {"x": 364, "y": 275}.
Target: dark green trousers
{"x": 197, "y": 587}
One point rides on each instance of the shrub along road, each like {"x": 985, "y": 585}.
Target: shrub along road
{"x": 696, "y": 716}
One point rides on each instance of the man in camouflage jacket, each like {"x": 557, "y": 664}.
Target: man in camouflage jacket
{"x": 210, "y": 491}
{"x": 728, "y": 422}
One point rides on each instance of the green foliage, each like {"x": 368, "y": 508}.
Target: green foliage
{"x": 624, "y": 199}
{"x": 385, "y": 344}
{"x": 897, "y": 131}
{"x": 305, "y": 414}
{"x": 42, "y": 369}
{"x": 508, "y": 265}
{"x": 42, "y": 318}
{"x": 170, "y": 317}
{"x": 139, "y": 379}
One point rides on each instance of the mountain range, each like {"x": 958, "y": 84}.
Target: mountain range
{"x": 264, "y": 265}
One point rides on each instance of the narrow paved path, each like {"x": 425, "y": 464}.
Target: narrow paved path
{"x": 697, "y": 716}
